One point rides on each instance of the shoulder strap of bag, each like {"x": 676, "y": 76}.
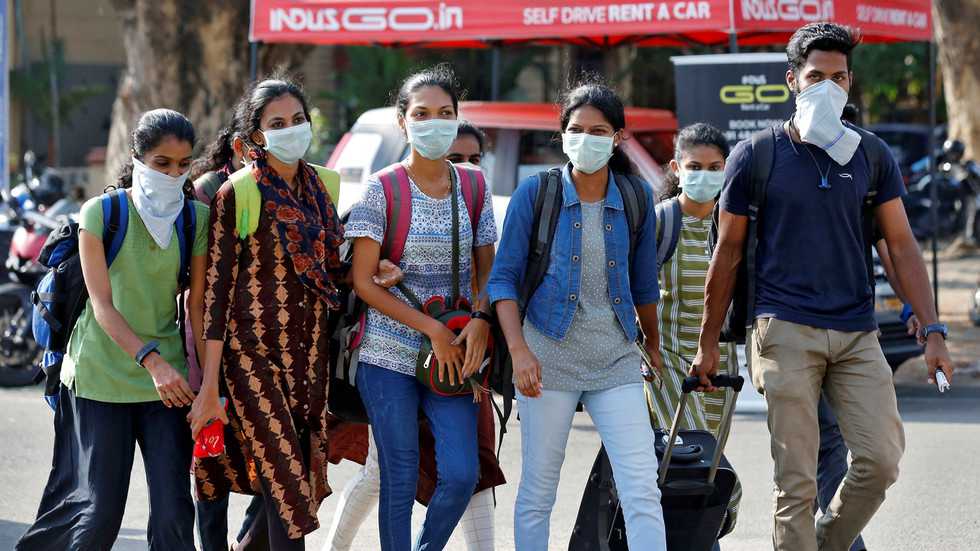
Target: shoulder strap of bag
{"x": 248, "y": 202}
{"x": 398, "y": 202}
{"x": 186, "y": 233}
{"x": 474, "y": 186}
{"x": 669, "y": 218}
{"x": 331, "y": 181}
{"x": 115, "y": 222}
{"x": 763, "y": 156}
{"x": 876, "y": 154}
{"x": 207, "y": 185}
{"x": 547, "y": 207}
{"x": 634, "y": 194}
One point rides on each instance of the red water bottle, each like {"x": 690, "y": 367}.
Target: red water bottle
{"x": 211, "y": 439}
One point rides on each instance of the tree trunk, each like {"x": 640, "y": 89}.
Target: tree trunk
{"x": 956, "y": 23}
{"x": 189, "y": 56}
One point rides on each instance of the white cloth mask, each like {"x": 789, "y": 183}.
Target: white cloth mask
{"x": 587, "y": 153}
{"x": 818, "y": 112}
{"x": 702, "y": 186}
{"x": 432, "y": 138}
{"x": 289, "y": 144}
{"x": 158, "y": 198}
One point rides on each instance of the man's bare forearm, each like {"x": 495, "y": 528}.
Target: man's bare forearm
{"x": 718, "y": 290}
{"x": 910, "y": 271}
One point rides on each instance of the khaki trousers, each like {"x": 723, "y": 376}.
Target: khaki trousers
{"x": 790, "y": 365}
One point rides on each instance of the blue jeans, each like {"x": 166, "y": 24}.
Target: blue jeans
{"x": 620, "y": 416}
{"x": 392, "y": 401}
{"x": 832, "y": 460}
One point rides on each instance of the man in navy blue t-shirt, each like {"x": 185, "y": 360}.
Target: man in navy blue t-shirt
{"x": 814, "y": 328}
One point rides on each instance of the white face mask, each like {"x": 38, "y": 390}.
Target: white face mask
{"x": 289, "y": 144}
{"x": 158, "y": 198}
{"x": 587, "y": 153}
{"x": 702, "y": 186}
{"x": 818, "y": 112}
{"x": 432, "y": 138}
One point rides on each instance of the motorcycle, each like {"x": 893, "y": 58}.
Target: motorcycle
{"x": 36, "y": 208}
{"x": 957, "y": 183}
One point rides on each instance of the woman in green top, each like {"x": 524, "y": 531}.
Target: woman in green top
{"x": 124, "y": 378}
{"x": 695, "y": 179}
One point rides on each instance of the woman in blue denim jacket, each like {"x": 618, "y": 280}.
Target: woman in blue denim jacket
{"x": 578, "y": 344}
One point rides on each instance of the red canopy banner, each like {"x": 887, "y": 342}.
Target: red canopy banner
{"x": 879, "y": 20}
{"x": 590, "y": 21}
{"x": 408, "y": 21}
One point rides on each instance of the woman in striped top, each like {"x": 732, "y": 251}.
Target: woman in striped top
{"x": 696, "y": 175}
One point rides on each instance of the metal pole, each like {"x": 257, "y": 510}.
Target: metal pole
{"x": 933, "y": 183}
{"x": 733, "y": 42}
{"x": 54, "y": 64}
{"x": 253, "y": 61}
{"x": 495, "y": 72}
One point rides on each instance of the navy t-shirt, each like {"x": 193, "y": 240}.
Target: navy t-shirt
{"x": 811, "y": 266}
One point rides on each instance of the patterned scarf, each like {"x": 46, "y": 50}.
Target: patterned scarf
{"x": 308, "y": 225}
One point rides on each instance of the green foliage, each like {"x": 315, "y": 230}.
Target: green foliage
{"x": 892, "y": 81}
{"x": 32, "y": 85}
{"x": 321, "y": 145}
{"x": 370, "y": 74}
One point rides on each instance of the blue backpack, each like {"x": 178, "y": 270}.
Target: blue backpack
{"x": 61, "y": 294}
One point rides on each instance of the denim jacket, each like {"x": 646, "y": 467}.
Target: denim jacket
{"x": 552, "y": 306}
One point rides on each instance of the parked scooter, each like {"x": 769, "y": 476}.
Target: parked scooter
{"x": 958, "y": 194}
{"x": 37, "y": 207}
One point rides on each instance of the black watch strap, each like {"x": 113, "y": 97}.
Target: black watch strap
{"x": 148, "y": 348}
{"x": 481, "y": 315}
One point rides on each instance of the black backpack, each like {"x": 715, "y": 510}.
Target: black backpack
{"x": 547, "y": 205}
{"x": 741, "y": 312}
{"x": 61, "y": 294}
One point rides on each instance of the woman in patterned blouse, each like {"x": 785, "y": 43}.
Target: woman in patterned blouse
{"x": 427, "y": 111}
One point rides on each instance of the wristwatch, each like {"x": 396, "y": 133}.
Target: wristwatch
{"x": 481, "y": 315}
{"x": 935, "y": 328}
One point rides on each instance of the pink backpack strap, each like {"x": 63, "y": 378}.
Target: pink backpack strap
{"x": 473, "y": 186}
{"x": 398, "y": 200}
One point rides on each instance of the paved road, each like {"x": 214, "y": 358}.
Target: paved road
{"x": 934, "y": 506}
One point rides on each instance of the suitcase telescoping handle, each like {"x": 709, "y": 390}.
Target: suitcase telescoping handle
{"x": 735, "y": 382}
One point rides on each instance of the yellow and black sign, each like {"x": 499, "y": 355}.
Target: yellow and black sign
{"x": 742, "y": 94}
{"x": 738, "y": 93}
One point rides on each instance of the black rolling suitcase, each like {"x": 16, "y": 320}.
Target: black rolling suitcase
{"x": 696, "y": 483}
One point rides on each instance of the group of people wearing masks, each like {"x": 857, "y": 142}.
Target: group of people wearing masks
{"x": 266, "y": 270}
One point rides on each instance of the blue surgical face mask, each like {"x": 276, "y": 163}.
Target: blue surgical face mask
{"x": 289, "y": 144}
{"x": 587, "y": 153}
{"x": 702, "y": 186}
{"x": 432, "y": 138}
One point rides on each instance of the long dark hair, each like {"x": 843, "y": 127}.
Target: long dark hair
{"x": 248, "y": 112}
{"x": 591, "y": 91}
{"x": 689, "y": 137}
{"x": 153, "y": 127}
{"x": 440, "y": 76}
{"x": 217, "y": 155}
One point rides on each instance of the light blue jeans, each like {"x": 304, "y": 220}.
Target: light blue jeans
{"x": 620, "y": 415}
